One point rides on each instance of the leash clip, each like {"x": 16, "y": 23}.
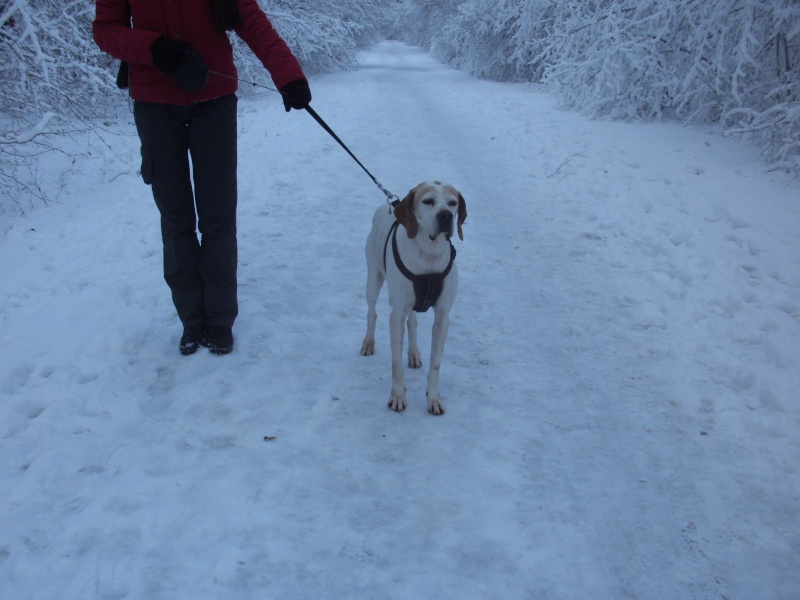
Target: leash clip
{"x": 391, "y": 199}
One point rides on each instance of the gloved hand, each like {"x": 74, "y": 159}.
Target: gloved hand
{"x": 185, "y": 65}
{"x": 168, "y": 54}
{"x": 192, "y": 74}
{"x": 296, "y": 95}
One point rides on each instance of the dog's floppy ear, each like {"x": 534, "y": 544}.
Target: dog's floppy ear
{"x": 404, "y": 213}
{"x": 462, "y": 215}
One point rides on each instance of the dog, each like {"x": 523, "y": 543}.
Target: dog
{"x": 410, "y": 248}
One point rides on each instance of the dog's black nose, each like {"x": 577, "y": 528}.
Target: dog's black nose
{"x": 444, "y": 221}
{"x": 445, "y": 217}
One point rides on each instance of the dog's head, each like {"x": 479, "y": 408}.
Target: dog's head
{"x": 432, "y": 207}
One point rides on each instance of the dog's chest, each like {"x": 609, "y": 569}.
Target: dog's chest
{"x": 427, "y": 287}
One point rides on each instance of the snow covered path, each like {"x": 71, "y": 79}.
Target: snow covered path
{"x": 621, "y": 376}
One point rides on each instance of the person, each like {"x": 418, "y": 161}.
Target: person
{"x": 182, "y": 79}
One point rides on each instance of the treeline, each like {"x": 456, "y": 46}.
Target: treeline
{"x": 734, "y": 64}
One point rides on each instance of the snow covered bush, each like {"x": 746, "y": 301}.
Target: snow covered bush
{"x": 49, "y": 61}
{"x": 52, "y": 81}
{"x": 735, "y": 64}
{"x": 764, "y": 81}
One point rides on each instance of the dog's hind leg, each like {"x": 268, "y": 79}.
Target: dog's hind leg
{"x": 374, "y": 284}
{"x": 414, "y": 356}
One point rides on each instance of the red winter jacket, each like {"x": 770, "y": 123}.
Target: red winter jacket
{"x": 126, "y": 29}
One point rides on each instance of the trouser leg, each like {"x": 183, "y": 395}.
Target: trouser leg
{"x": 165, "y": 166}
{"x": 212, "y": 145}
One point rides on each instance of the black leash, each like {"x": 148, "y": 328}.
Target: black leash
{"x": 389, "y": 196}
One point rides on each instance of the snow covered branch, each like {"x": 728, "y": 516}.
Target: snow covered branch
{"x": 31, "y": 134}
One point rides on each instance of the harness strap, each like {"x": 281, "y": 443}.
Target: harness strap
{"x": 386, "y": 243}
{"x": 427, "y": 287}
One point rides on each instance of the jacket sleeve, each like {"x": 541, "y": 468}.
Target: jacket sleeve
{"x": 265, "y": 42}
{"x": 113, "y": 33}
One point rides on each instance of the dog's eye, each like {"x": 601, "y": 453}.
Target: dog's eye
{"x": 428, "y": 201}
{"x": 452, "y": 203}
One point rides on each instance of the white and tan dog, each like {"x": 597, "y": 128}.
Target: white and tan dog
{"x": 410, "y": 248}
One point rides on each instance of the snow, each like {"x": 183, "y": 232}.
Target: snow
{"x": 620, "y": 378}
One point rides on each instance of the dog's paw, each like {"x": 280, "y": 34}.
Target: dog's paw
{"x": 397, "y": 403}
{"x": 368, "y": 348}
{"x": 435, "y": 406}
{"x": 414, "y": 359}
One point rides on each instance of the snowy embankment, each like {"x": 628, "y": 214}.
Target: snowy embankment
{"x": 621, "y": 375}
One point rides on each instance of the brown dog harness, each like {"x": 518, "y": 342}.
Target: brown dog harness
{"x": 427, "y": 287}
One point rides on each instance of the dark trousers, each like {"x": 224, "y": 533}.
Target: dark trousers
{"x": 200, "y": 273}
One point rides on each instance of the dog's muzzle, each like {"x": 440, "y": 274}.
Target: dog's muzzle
{"x": 444, "y": 223}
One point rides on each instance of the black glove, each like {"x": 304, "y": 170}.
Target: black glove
{"x": 296, "y": 95}
{"x": 168, "y": 54}
{"x": 185, "y": 65}
{"x": 192, "y": 74}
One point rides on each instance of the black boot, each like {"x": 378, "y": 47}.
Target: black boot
{"x": 193, "y": 337}
{"x": 219, "y": 339}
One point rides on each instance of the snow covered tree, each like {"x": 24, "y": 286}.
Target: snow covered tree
{"x": 422, "y": 22}
{"x": 324, "y": 34}
{"x": 497, "y": 39}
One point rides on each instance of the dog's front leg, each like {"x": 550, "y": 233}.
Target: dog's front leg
{"x": 397, "y": 400}
{"x": 441, "y": 324}
{"x": 414, "y": 356}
